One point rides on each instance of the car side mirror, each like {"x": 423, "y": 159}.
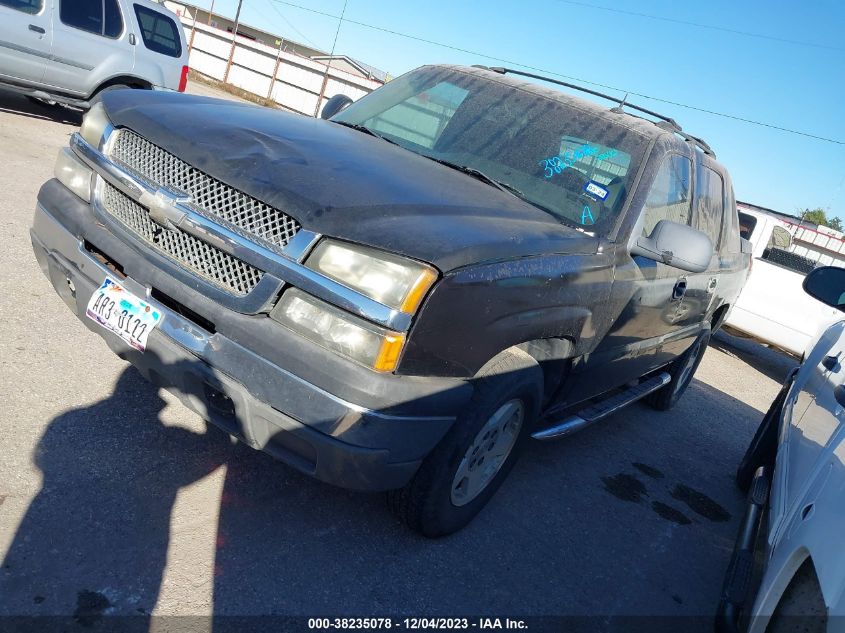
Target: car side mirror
{"x": 334, "y": 105}
{"x": 827, "y": 284}
{"x": 677, "y": 245}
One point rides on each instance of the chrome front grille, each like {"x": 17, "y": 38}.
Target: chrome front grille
{"x": 219, "y": 202}
{"x": 210, "y": 263}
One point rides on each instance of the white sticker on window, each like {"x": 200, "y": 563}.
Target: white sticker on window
{"x": 595, "y": 189}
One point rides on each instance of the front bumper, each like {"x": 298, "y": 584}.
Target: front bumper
{"x": 306, "y": 406}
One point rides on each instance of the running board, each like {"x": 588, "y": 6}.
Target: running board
{"x": 603, "y": 409}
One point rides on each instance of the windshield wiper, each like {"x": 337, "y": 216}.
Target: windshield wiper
{"x": 503, "y": 186}
{"x": 480, "y": 175}
{"x": 365, "y": 130}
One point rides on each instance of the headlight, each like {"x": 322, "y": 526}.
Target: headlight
{"x": 73, "y": 174}
{"x": 94, "y": 123}
{"x": 395, "y": 281}
{"x": 339, "y": 331}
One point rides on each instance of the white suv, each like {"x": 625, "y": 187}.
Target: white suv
{"x": 70, "y": 51}
{"x": 800, "y": 448}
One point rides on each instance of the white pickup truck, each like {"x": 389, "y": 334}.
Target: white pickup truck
{"x": 773, "y": 308}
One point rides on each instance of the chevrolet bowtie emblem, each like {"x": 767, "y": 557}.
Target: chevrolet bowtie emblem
{"x": 163, "y": 206}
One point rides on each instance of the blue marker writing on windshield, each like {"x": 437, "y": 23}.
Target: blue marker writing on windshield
{"x": 585, "y": 214}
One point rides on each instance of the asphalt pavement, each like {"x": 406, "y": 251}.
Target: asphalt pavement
{"x": 117, "y": 500}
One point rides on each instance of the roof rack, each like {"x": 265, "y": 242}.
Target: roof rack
{"x": 665, "y": 123}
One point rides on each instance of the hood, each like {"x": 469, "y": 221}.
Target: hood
{"x": 343, "y": 183}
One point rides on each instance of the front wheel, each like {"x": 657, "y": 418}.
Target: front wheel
{"x": 469, "y": 464}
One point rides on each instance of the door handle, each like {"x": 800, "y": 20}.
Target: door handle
{"x": 679, "y": 290}
{"x": 839, "y": 394}
{"x": 37, "y": 29}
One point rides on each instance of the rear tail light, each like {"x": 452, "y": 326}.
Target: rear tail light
{"x": 183, "y": 79}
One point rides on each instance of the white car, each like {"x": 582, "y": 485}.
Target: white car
{"x": 773, "y": 308}
{"x": 70, "y": 51}
{"x": 800, "y": 448}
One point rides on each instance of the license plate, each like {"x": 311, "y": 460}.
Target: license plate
{"x": 121, "y": 312}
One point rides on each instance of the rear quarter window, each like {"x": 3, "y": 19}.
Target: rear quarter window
{"x": 27, "y": 6}
{"x": 747, "y": 223}
{"x": 159, "y": 33}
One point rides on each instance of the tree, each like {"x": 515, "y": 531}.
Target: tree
{"x": 819, "y": 216}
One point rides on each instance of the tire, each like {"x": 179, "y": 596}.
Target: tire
{"x": 444, "y": 494}
{"x": 762, "y": 450}
{"x": 98, "y": 96}
{"x": 801, "y": 608}
{"x": 681, "y": 370}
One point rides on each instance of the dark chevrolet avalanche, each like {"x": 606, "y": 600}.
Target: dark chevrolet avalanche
{"x": 398, "y": 297}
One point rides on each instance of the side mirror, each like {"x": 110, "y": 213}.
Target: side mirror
{"x": 827, "y": 284}
{"x": 677, "y": 245}
{"x": 334, "y": 105}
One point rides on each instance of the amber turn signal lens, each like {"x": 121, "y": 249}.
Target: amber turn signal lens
{"x": 418, "y": 289}
{"x": 388, "y": 355}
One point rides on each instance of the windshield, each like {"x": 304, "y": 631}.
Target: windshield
{"x": 553, "y": 155}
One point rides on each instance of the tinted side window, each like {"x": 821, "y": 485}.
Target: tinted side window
{"x": 746, "y": 225}
{"x": 159, "y": 32}
{"x": 669, "y": 197}
{"x": 27, "y": 6}
{"x": 113, "y": 23}
{"x": 101, "y": 17}
{"x": 86, "y": 15}
{"x": 710, "y": 203}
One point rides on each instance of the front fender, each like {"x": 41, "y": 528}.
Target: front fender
{"x": 476, "y": 312}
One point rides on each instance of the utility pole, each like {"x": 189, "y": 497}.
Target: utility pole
{"x": 193, "y": 29}
{"x": 329, "y": 65}
{"x": 210, "y": 11}
{"x": 275, "y": 69}
{"x": 234, "y": 38}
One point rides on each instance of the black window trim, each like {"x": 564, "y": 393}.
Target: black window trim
{"x": 161, "y": 16}
{"x": 102, "y": 32}
{"x": 19, "y": 10}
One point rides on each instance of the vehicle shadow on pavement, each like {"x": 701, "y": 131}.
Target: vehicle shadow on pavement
{"x": 768, "y": 361}
{"x": 94, "y": 540}
{"x": 557, "y": 538}
{"x": 15, "y": 103}
{"x": 562, "y": 530}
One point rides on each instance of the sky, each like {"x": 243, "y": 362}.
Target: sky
{"x": 777, "y": 62}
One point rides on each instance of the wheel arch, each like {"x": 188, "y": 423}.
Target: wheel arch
{"x": 125, "y": 80}
{"x": 720, "y": 315}
{"x": 554, "y": 357}
{"x": 766, "y": 605}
